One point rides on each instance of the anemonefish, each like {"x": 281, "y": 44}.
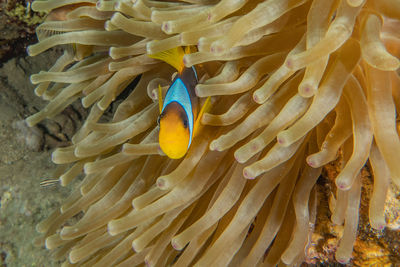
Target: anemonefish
{"x": 180, "y": 115}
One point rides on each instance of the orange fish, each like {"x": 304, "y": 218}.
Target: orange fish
{"x": 179, "y": 118}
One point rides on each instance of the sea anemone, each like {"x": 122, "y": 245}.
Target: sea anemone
{"x": 295, "y": 85}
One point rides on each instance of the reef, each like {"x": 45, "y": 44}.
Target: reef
{"x": 17, "y": 27}
{"x": 297, "y": 88}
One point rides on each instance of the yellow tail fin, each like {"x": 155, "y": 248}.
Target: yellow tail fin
{"x": 173, "y": 57}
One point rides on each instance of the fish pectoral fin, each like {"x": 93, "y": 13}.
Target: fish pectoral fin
{"x": 205, "y": 108}
{"x": 173, "y": 57}
{"x": 160, "y": 100}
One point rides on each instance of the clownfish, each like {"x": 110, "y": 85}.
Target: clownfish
{"x": 180, "y": 114}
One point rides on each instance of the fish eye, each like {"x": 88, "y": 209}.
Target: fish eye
{"x": 185, "y": 123}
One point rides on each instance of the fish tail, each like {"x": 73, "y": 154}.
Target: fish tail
{"x": 173, "y": 57}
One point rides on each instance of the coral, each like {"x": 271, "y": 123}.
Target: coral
{"x": 22, "y": 12}
{"x": 294, "y": 85}
{"x": 17, "y": 27}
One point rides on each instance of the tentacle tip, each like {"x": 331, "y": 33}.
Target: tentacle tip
{"x": 286, "y": 259}
{"x": 72, "y": 257}
{"x": 342, "y": 185}
{"x": 102, "y": 106}
{"x": 111, "y": 228}
{"x": 54, "y": 156}
{"x": 161, "y": 183}
{"x": 342, "y": 260}
{"x": 34, "y": 6}
{"x": 281, "y": 141}
{"x": 311, "y": 162}
{"x": 257, "y": 98}
{"x": 33, "y": 79}
{"x": 28, "y": 51}
{"x": 175, "y": 245}
{"x": 153, "y": 13}
{"x": 247, "y": 174}
{"x": 354, "y": 3}
{"x": 148, "y": 48}
{"x": 64, "y": 230}
{"x": 68, "y": 232}
{"x": 84, "y": 102}
{"x": 107, "y": 25}
{"x": 166, "y": 27}
{"x": 86, "y": 168}
{"x": 135, "y": 247}
{"x": 40, "y": 228}
{"x": 214, "y": 146}
{"x": 197, "y": 91}
{"x": 31, "y": 123}
{"x": 200, "y": 44}
{"x": 47, "y": 244}
{"x": 147, "y": 262}
{"x": 238, "y": 158}
{"x": 124, "y": 147}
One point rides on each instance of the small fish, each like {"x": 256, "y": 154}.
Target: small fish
{"x": 180, "y": 114}
{"x": 49, "y": 182}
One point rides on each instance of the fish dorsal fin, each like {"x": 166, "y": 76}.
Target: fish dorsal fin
{"x": 173, "y": 57}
